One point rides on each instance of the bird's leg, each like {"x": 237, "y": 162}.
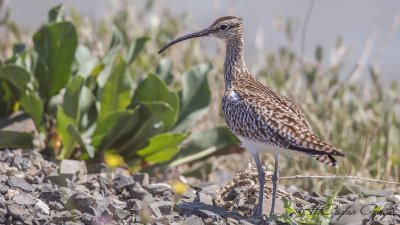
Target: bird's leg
{"x": 275, "y": 179}
{"x": 261, "y": 179}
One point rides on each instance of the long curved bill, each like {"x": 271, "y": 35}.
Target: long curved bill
{"x": 201, "y": 33}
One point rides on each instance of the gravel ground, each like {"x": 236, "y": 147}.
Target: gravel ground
{"x": 34, "y": 190}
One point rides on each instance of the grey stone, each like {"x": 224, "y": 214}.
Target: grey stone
{"x": 24, "y": 199}
{"x": 56, "y": 206}
{"x": 48, "y": 194}
{"x": 65, "y": 194}
{"x": 189, "y": 194}
{"x": 16, "y": 182}
{"x": 121, "y": 182}
{"x": 143, "y": 179}
{"x": 210, "y": 190}
{"x": 74, "y": 167}
{"x": 3, "y": 188}
{"x": 91, "y": 210}
{"x": 205, "y": 198}
{"x": 18, "y": 212}
{"x": 42, "y": 207}
{"x": 87, "y": 218}
{"x": 138, "y": 192}
{"x": 135, "y": 205}
{"x": 159, "y": 188}
{"x": 160, "y": 209}
{"x": 80, "y": 201}
{"x": 279, "y": 206}
{"x": 195, "y": 207}
{"x": 118, "y": 213}
{"x": 193, "y": 220}
{"x": 62, "y": 180}
{"x": 2, "y": 202}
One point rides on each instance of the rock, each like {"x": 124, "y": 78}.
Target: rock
{"x": 62, "y": 180}
{"x": 195, "y": 220}
{"x": 137, "y": 192}
{"x": 3, "y": 188}
{"x": 80, "y": 201}
{"x": 135, "y": 206}
{"x": 206, "y": 210}
{"x": 121, "y": 182}
{"x": 65, "y": 194}
{"x": 159, "y": 188}
{"x": 118, "y": 213}
{"x": 91, "y": 210}
{"x": 210, "y": 190}
{"x": 17, "y": 212}
{"x": 16, "y": 182}
{"x": 2, "y": 202}
{"x": 279, "y": 206}
{"x": 56, "y": 206}
{"x": 160, "y": 209}
{"x": 190, "y": 194}
{"x": 24, "y": 199}
{"x": 48, "y": 194}
{"x": 142, "y": 179}
{"x": 205, "y": 198}
{"x": 42, "y": 207}
{"x": 118, "y": 203}
{"x": 74, "y": 167}
{"x": 87, "y": 218}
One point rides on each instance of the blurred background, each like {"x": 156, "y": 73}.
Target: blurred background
{"x": 366, "y": 27}
{"x": 338, "y": 60}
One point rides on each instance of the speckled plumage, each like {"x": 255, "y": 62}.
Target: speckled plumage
{"x": 257, "y": 113}
{"x": 262, "y": 119}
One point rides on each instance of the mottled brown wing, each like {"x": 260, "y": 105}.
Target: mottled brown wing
{"x": 283, "y": 116}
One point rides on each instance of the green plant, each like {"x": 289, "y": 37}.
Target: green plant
{"x": 96, "y": 104}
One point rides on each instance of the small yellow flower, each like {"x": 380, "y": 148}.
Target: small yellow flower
{"x": 179, "y": 187}
{"x": 113, "y": 160}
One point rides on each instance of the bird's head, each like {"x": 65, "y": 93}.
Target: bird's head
{"x": 226, "y": 28}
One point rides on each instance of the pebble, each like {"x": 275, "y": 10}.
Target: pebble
{"x": 21, "y": 183}
{"x": 142, "y": 179}
{"x": 42, "y": 207}
{"x": 36, "y": 191}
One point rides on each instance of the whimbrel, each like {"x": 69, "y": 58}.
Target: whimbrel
{"x": 263, "y": 120}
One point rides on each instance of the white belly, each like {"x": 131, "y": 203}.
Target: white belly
{"x": 258, "y": 147}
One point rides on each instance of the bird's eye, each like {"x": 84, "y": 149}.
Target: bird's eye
{"x": 223, "y": 27}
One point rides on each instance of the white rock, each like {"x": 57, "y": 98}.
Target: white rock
{"x": 42, "y": 207}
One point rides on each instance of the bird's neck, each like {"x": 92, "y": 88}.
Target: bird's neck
{"x": 234, "y": 64}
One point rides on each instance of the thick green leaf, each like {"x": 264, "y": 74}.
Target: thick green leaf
{"x": 161, "y": 147}
{"x": 204, "y": 144}
{"x": 15, "y": 139}
{"x": 117, "y": 91}
{"x": 61, "y": 126}
{"x": 56, "y": 14}
{"x": 104, "y": 126}
{"x": 72, "y": 95}
{"x": 152, "y": 89}
{"x": 73, "y": 131}
{"x": 86, "y": 62}
{"x": 17, "y": 75}
{"x": 148, "y": 125}
{"x": 164, "y": 69}
{"x": 135, "y": 48}
{"x": 56, "y": 44}
{"x": 124, "y": 125}
{"x": 195, "y": 96}
{"x": 33, "y": 105}
{"x": 117, "y": 38}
